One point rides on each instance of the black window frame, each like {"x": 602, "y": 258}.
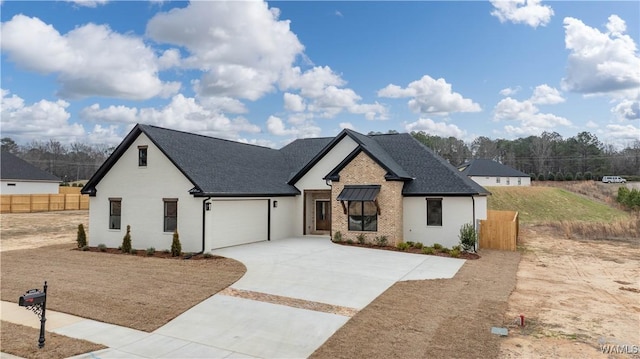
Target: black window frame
{"x": 362, "y": 217}
{"x": 437, "y": 212}
{"x": 169, "y": 220}
{"x": 143, "y": 156}
{"x": 115, "y": 220}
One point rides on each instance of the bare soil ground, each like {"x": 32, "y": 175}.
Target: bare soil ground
{"x": 132, "y": 291}
{"x": 23, "y": 341}
{"x": 576, "y": 295}
{"x": 443, "y": 318}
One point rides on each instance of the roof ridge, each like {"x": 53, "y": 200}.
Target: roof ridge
{"x": 205, "y": 136}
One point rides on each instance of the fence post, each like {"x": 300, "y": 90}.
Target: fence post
{"x": 30, "y": 203}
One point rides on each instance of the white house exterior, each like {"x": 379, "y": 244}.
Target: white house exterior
{"x": 21, "y": 177}
{"x": 217, "y": 193}
{"x": 491, "y": 173}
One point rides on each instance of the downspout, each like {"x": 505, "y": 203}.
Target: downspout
{"x": 473, "y": 201}
{"x": 204, "y": 217}
{"x": 329, "y": 183}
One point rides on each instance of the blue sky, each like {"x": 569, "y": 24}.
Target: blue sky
{"x": 267, "y": 73}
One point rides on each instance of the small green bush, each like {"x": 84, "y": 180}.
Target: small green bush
{"x": 551, "y": 177}
{"x": 361, "y": 238}
{"x": 151, "y": 251}
{"x": 403, "y": 246}
{"x": 588, "y": 176}
{"x": 541, "y": 177}
{"x": 468, "y": 237}
{"x": 428, "y": 250}
{"x": 207, "y": 255}
{"x": 176, "y": 247}
{"x": 349, "y": 241}
{"x": 568, "y": 176}
{"x": 437, "y": 246}
{"x": 455, "y": 253}
{"x": 133, "y": 251}
{"x": 418, "y": 245}
{"x": 444, "y": 250}
{"x": 579, "y": 176}
{"x": 126, "y": 241}
{"x": 381, "y": 241}
{"x": 166, "y": 251}
{"x": 82, "y": 236}
{"x": 102, "y": 247}
{"x": 410, "y": 243}
{"x": 337, "y": 237}
{"x": 85, "y": 248}
{"x": 559, "y": 176}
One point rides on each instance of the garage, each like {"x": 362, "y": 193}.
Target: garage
{"x": 235, "y": 222}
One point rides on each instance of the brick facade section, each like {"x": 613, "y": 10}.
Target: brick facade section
{"x": 362, "y": 170}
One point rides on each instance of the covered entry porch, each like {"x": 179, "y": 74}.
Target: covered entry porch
{"x": 317, "y": 212}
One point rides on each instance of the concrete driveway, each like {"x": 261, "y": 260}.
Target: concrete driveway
{"x": 313, "y": 271}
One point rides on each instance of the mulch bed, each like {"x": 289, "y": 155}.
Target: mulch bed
{"x": 155, "y": 254}
{"x": 463, "y": 255}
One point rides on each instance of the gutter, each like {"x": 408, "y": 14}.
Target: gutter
{"x": 473, "y": 201}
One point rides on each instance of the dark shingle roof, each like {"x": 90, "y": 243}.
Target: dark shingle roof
{"x": 218, "y": 167}
{"x": 482, "y": 167}
{"x": 432, "y": 175}
{"x": 15, "y": 168}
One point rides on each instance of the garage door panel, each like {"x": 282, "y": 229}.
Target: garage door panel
{"x": 239, "y": 222}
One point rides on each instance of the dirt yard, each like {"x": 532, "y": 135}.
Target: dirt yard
{"x": 31, "y": 230}
{"x": 575, "y": 296}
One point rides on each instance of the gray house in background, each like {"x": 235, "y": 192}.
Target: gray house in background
{"x": 20, "y": 177}
{"x": 491, "y": 173}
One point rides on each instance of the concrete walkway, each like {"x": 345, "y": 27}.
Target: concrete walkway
{"x": 311, "y": 270}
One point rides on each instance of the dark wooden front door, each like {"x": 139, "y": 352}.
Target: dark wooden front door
{"x": 323, "y": 216}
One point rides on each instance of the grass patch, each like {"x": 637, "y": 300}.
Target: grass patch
{"x": 544, "y": 204}
{"x": 22, "y": 341}
{"x": 137, "y": 292}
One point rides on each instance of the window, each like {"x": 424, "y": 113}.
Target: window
{"x": 170, "y": 215}
{"x": 434, "y": 212}
{"x": 115, "y": 210}
{"x": 142, "y": 156}
{"x": 519, "y": 181}
{"x": 363, "y": 216}
{"x": 508, "y": 181}
{"x": 497, "y": 179}
{"x": 11, "y": 184}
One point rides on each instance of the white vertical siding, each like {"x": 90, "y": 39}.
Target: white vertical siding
{"x": 29, "y": 187}
{"x": 504, "y": 181}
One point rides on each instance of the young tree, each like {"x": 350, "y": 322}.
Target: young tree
{"x": 126, "y": 241}
{"x": 82, "y": 236}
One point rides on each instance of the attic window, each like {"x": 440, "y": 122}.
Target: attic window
{"x": 142, "y": 156}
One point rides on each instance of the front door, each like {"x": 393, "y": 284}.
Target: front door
{"x": 323, "y": 216}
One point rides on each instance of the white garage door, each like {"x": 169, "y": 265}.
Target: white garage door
{"x": 238, "y": 222}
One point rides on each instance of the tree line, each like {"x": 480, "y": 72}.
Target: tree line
{"x": 543, "y": 157}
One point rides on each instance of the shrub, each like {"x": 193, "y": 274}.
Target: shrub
{"x": 418, "y": 245}
{"x": 568, "y": 176}
{"x": 559, "y": 176}
{"x": 151, "y": 251}
{"x": 551, "y": 177}
{"x": 337, "y": 237}
{"x": 133, "y": 251}
{"x": 437, "y": 246}
{"x": 82, "y": 236}
{"x": 207, "y": 255}
{"x": 176, "y": 247}
{"x": 126, "y": 241}
{"x": 381, "y": 241}
{"x": 444, "y": 250}
{"x": 85, "y": 248}
{"x": 349, "y": 241}
{"x": 102, "y": 247}
{"x": 428, "y": 250}
{"x": 468, "y": 237}
{"x": 166, "y": 251}
{"x": 403, "y": 246}
{"x": 541, "y": 177}
{"x": 410, "y": 243}
{"x": 455, "y": 253}
{"x": 579, "y": 176}
{"x": 532, "y": 176}
{"x": 588, "y": 176}
{"x": 361, "y": 238}
{"x": 458, "y": 247}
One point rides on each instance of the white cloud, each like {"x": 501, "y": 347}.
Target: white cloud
{"x": 299, "y": 129}
{"x": 42, "y": 119}
{"x": 118, "y": 114}
{"x": 88, "y": 3}
{"x": 347, "y": 125}
{"x": 90, "y": 60}
{"x": 528, "y": 12}
{"x": 223, "y": 104}
{"x": 110, "y": 135}
{"x": 322, "y": 91}
{"x": 627, "y": 110}
{"x": 621, "y": 135}
{"x": 601, "y": 62}
{"x": 430, "y": 96}
{"x": 242, "y": 46}
{"x": 546, "y": 95}
{"x": 442, "y": 129}
{"x": 531, "y": 121}
{"x": 293, "y": 102}
{"x": 591, "y": 124}
{"x": 510, "y": 91}
{"x": 275, "y": 126}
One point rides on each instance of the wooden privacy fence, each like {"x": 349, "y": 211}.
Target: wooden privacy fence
{"x": 24, "y": 203}
{"x": 500, "y": 230}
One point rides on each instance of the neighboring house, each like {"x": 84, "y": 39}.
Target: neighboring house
{"x": 220, "y": 193}
{"x": 20, "y": 177}
{"x": 491, "y": 173}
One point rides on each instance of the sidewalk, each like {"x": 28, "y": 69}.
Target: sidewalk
{"x": 122, "y": 342}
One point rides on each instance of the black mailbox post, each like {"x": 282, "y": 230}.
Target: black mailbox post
{"x": 36, "y": 301}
